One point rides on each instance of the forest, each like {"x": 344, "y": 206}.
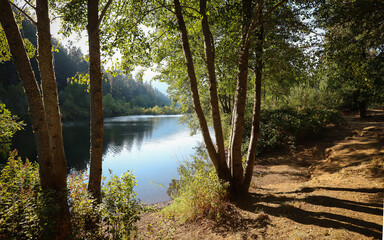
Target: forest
{"x": 122, "y": 94}
{"x": 287, "y": 96}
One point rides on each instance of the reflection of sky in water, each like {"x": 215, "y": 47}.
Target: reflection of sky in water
{"x": 151, "y": 146}
{"x": 152, "y": 149}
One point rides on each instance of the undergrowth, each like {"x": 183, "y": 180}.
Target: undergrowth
{"x": 286, "y": 126}
{"x": 23, "y": 207}
{"x": 197, "y": 193}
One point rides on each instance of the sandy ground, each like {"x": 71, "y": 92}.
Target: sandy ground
{"x": 329, "y": 188}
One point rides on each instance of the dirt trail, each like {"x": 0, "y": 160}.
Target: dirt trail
{"x": 331, "y": 188}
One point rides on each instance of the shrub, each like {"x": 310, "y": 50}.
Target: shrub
{"x": 284, "y": 127}
{"x": 318, "y": 97}
{"x": 9, "y": 125}
{"x": 113, "y": 218}
{"x": 21, "y": 201}
{"x": 199, "y": 193}
{"x": 23, "y": 206}
{"x": 83, "y": 207}
{"x": 120, "y": 208}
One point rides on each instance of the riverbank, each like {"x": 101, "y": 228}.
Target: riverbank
{"x": 329, "y": 188}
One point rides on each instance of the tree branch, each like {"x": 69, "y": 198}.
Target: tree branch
{"x": 24, "y": 13}
{"x": 103, "y": 12}
{"x": 27, "y": 2}
{"x": 255, "y": 21}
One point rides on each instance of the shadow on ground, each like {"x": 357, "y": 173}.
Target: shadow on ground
{"x": 281, "y": 206}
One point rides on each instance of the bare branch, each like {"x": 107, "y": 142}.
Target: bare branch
{"x": 24, "y": 13}
{"x": 30, "y": 4}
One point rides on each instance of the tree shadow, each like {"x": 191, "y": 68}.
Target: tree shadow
{"x": 280, "y": 206}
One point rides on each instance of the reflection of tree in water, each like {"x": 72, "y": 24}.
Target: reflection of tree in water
{"x": 24, "y": 142}
{"x": 173, "y": 188}
{"x": 119, "y": 136}
{"x": 76, "y": 144}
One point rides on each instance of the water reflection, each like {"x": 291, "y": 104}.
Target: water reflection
{"x": 151, "y": 146}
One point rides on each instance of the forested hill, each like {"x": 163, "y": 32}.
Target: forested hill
{"x": 122, "y": 94}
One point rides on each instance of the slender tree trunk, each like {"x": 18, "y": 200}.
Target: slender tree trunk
{"x": 51, "y": 104}
{"x": 36, "y": 106}
{"x": 251, "y": 156}
{"x": 213, "y": 155}
{"x": 40, "y": 122}
{"x": 96, "y": 95}
{"x": 362, "y": 109}
{"x": 223, "y": 171}
{"x": 235, "y": 157}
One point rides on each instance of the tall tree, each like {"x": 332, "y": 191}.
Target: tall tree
{"x": 43, "y": 108}
{"x": 75, "y": 19}
{"x": 232, "y": 169}
{"x": 353, "y": 50}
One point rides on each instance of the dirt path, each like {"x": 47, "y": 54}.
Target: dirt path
{"x": 332, "y": 188}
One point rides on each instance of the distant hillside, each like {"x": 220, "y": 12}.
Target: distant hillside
{"x": 122, "y": 95}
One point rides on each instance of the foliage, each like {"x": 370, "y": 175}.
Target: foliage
{"x": 304, "y": 96}
{"x": 353, "y": 50}
{"x": 120, "y": 208}
{"x": 23, "y": 205}
{"x": 285, "y": 126}
{"x": 21, "y": 201}
{"x": 114, "y": 216}
{"x": 9, "y": 125}
{"x": 74, "y": 100}
{"x": 198, "y": 192}
{"x": 83, "y": 206}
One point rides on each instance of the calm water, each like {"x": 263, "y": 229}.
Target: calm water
{"x": 151, "y": 146}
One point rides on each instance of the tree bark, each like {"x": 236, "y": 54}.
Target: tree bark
{"x": 51, "y": 104}
{"x": 251, "y": 156}
{"x": 46, "y": 129}
{"x": 96, "y": 97}
{"x": 223, "y": 171}
{"x": 235, "y": 157}
{"x": 213, "y": 155}
{"x": 36, "y": 106}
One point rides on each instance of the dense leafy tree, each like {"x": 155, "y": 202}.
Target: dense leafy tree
{"x": 207, "y": 66}
{"x": 353, "y": 53}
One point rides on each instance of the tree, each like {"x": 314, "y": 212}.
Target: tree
{"x": 75, "y": 19}
{"x": 353, "y": 50}
{"x": 43, "y": 107}
{"x": 203, "y": 74}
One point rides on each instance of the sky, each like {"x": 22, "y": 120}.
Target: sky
{"x": 81, "y": 42}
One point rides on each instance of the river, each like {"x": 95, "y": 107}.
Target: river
{"x": 150, "y": 146}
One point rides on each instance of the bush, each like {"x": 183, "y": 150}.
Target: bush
{"x": 319, "y": 97}
{"x": 114, "y": 217}
{"x": 199, "y": 193}
{"x": 284, "y": 127}
{"x": 23, "y": 205}
{"x": 9, "y": 125}
{"x": 21, "y": 201}
{"x": 120, "y": 208}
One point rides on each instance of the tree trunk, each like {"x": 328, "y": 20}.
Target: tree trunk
{"x": 36, "y": 106}
{"x": 40, "y": 124}
{"x": 251, "y": 156}
{"x": 235, "y": 157}
{"x": 213, "y": 155}
{"x": 362, "y": 109}
{"x": 96, "y": 95}
{"x": 223, "y": 171}
{"x": 51, "y": 104}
